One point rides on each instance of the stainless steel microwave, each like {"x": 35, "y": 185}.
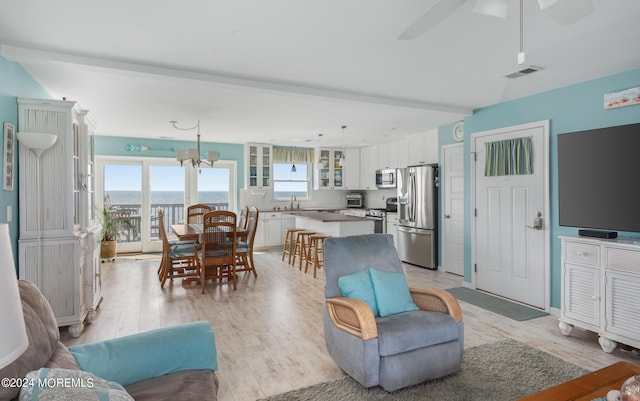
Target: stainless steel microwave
{"x": 386, "y": 178}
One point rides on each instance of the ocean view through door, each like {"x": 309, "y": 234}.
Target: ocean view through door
{"x": 135, "y": 189}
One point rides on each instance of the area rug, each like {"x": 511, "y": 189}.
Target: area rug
{"x": 501, "y": 371}
{"x": 497, "y": 305}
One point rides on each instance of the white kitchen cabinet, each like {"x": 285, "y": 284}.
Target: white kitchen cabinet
{"x": 368, "y": 160}
{"x": 392, "y": 227}
{"x": 258, "y": 165}
{"x": 403, "y": 152}
{"x": 600, "y": 279}
{"x": 59, "y": 237}
{"x": 288, "y": 221}
{"x": 352, "y": 168}
{"x": 387, "y": 155}
{"x": 271, "y": 228}
{"x": 422, "y": 148}
{"x": 330, "y": 168}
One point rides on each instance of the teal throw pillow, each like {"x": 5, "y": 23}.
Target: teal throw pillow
{"x": 358, "y": 286}
{"x": 391, "y": 292}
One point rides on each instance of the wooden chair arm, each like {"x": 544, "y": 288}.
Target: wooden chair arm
{"x": 437, "y": 300}
{"x": 353, "y": 316}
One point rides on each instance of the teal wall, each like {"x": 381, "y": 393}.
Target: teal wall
{"x": 116, "y": 146}
{"x": 574, "y": 108}
{"x": 14, "y": 82}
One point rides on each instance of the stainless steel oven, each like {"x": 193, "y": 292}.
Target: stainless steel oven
{"x": 379, "y": 216}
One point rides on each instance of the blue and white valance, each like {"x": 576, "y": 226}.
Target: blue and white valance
{"x": 509, "y": 157}
{"x": 292, "y": 154}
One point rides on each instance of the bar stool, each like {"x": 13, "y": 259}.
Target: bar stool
{"x": 316, "y": 241}
{"x": 289, "y": 242}
{"x": 300, "y": 247}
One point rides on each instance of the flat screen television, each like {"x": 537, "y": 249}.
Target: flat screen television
{"x": 599, "y": 178}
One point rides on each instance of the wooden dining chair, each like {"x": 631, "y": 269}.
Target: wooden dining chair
{"x": 217, "y": 257}
{"x": 178, "y": 259}
{"x": 244, "y": 251}
{"x": 242, "y": 220}
{"x": 195, "y": 213}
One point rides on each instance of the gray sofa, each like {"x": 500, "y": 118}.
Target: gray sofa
{"x": 160, "y": 365}
{"x": 396, "y": 350}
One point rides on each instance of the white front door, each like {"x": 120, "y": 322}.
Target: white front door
{"x": 511, "y": 257}
{"x": 452, "y": 185}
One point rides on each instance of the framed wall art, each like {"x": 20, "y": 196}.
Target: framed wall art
{"x": 9, "y": 158}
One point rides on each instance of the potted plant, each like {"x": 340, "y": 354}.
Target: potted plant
{"x": 111, "y": 224}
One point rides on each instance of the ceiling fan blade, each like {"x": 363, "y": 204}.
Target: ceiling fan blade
{"x": 566, "y": 12}
{"x": 439, "y": 11}
{"x": 493, "y": 8}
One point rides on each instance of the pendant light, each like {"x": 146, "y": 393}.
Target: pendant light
{"x": 521, "y": 53}
{"x": 193, "y": 155}
{"x": 342, "y": 157}
{"x": 293, "y": 161}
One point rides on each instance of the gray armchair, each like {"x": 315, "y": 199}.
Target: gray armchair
{"x": 394, "y": 351}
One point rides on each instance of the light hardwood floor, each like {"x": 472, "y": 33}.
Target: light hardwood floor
{"x": 269, "y": 332}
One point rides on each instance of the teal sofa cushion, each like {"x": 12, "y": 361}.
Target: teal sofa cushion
{"x": 391, "y": 292}
{"x": 155, "y": 353}
{"x": 358, "y": 285}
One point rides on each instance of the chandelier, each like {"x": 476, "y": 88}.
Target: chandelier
{"x": 193, "y": 155}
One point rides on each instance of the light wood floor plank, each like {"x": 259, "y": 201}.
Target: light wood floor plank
{"x": 269, "y": 332}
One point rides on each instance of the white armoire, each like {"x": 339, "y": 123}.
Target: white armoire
{"x": 59, "y": 244}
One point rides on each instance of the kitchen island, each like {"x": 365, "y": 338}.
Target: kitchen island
{"x": 334, "y": 224}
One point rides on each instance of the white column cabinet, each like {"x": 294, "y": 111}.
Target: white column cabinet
{"x": 59, "y": 239}
{"x": 600, "y": 279}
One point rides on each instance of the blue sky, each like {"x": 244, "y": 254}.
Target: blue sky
{"x": 163, "y": 178}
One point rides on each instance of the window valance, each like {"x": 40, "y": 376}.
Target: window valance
{"x": 509, "y": 157}
{"x": 292, "y": 154}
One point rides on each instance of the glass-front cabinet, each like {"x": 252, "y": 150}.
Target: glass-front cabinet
{"x": 330, "y": 169}
{"x": 258, "y": 165}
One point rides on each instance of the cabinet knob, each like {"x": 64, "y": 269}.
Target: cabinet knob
{"x": 447, "y": 216}
{"x": 580, "y": 253}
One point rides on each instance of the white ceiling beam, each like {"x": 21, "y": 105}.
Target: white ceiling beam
{"x": 26, "y": 55}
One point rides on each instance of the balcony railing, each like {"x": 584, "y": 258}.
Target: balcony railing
{"x": 131, "y": 215}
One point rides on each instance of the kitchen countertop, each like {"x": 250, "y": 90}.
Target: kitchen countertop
{"x": 304, "y": 209}
{"x": 327, "y": 217}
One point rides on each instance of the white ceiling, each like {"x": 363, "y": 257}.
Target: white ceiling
{"x": 284, "y": 71}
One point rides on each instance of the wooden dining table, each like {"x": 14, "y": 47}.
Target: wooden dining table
{"x": 191, "y": 232}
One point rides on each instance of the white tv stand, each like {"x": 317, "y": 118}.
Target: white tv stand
{"x": 601, "y": 289}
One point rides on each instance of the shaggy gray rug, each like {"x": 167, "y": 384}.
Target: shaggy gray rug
{"x": 502, "y": 371}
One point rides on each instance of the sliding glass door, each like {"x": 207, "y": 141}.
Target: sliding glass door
{"x": 134, "y": 189}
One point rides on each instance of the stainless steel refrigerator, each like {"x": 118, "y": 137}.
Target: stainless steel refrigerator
{"x": 417, "y": 215}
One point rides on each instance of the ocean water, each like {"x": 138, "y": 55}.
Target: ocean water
{"x": 163, "y": 197}
{"x": 287, "y": 194}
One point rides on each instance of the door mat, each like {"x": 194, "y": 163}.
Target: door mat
{"x": 502, "y": 371}
{"x": 497, "y": 305}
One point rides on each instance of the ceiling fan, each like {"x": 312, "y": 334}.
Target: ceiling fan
{"x": 564, "y": 12}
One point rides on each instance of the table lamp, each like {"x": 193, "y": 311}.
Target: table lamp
{"x": 13, "y": 333}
